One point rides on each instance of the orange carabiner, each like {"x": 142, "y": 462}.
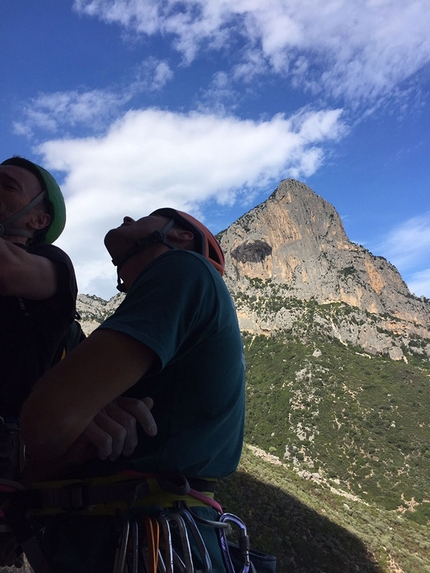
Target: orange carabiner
{"x": 152, "y": 529}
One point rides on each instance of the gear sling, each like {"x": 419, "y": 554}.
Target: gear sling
{"x": 158, "y": 525}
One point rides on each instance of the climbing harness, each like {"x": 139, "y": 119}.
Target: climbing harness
{"x": 159, "y": 531}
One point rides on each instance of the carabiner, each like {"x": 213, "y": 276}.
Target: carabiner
{"x": 121, "y": 551}
{"x": 167, "y": 543}
{"x": 243, "y": 543}
{"x": 135, "y": 547}
{"x": 161, "y": 564}
{"x": 189, "y": 520}
{"x": 152, "y": 528}
{"x": 187, "y": 565}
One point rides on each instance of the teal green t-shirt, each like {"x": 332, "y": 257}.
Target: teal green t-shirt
{"x": 180, "y": 307}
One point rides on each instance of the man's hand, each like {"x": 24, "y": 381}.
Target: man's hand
{"x": 113, "y": 430}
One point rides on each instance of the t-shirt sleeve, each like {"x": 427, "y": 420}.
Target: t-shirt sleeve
{"x": 169, "y": 305}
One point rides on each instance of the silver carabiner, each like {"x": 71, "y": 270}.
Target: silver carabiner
{"x": 188, "y": 565}
{"x": 161, "y": 564}
{"x": 121, "y": 551}
{"x": 135, "y": 546}
{"x": 243, "y": 542}
{"x": 189, "y": 520}
{"x": 167, "y": 543}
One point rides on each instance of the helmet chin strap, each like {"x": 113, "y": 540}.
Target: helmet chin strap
{"x": 139, "y": 246}
{"x": 5, "y": 225}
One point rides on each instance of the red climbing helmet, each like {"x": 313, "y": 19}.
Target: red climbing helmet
{"x": 206, "y": 243}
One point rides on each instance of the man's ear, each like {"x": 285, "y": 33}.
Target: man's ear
{"x": 182, "y": 237}
{"x": 38, "y": 220}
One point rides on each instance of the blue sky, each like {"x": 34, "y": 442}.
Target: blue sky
{"x": 206, "y": 105}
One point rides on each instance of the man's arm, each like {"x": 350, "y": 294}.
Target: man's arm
{"x": 24, "y": 274}
{"x": 69, "y": 396}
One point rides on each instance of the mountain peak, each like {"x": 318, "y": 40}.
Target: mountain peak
{"x": 294, "y": 244}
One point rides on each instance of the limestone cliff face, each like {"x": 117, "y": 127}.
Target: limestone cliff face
{"x": 294, "y": 246}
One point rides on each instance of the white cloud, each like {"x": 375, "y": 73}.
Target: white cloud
{"x": 152, "y": 76}
{"x": 358, "y": 49}
{"x": 220, "y": 96}
{"x": 94, "y": 108}
{"x": 155, "y": 158}
{"x": 162, "y": 75}
{"x": 419, "y": 283}
{"x": 253, "y": 64}
{"x": 52, "y": 111}
{"x": 408, "y": 244}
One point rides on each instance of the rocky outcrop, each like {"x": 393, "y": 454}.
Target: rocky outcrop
{"x": 94, "y": 310}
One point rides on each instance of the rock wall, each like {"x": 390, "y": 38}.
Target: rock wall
{"x": 295, "y": 244}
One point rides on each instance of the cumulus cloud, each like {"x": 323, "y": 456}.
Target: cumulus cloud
{"x": 155, "y": 158}
{"x": 357, "y": 49}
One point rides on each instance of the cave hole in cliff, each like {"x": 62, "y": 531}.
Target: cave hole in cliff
{"x": 252, "y": 252}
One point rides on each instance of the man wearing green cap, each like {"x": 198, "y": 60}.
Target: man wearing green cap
{"x": 37, "y": 285}
{"x": 37, "y": 300}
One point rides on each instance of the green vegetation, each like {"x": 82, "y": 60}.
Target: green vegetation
{"x": 348, "y": 271}
{"x": 348, "y": 487}
{"x": 267, "y": 299}
{"x": 312, "y": 530}
{"x": 332, "y": 410}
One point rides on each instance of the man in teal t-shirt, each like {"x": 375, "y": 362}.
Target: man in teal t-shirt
{"x": 175, "y": 338}
{"x": 197, "y": 381}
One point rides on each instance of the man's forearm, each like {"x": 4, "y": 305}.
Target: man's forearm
{"x": 69, "y": 396}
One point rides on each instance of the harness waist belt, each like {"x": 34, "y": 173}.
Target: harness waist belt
{"x": 107, "y": 495}
{"x": 80, "y": 495}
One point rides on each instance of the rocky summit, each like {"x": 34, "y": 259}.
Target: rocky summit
{"x": 291, "y": 268}
{"x": 289, "y": 259}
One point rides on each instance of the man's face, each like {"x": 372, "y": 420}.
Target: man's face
{"x": 119, "y": 240}
{"x": 18, "y": 187}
